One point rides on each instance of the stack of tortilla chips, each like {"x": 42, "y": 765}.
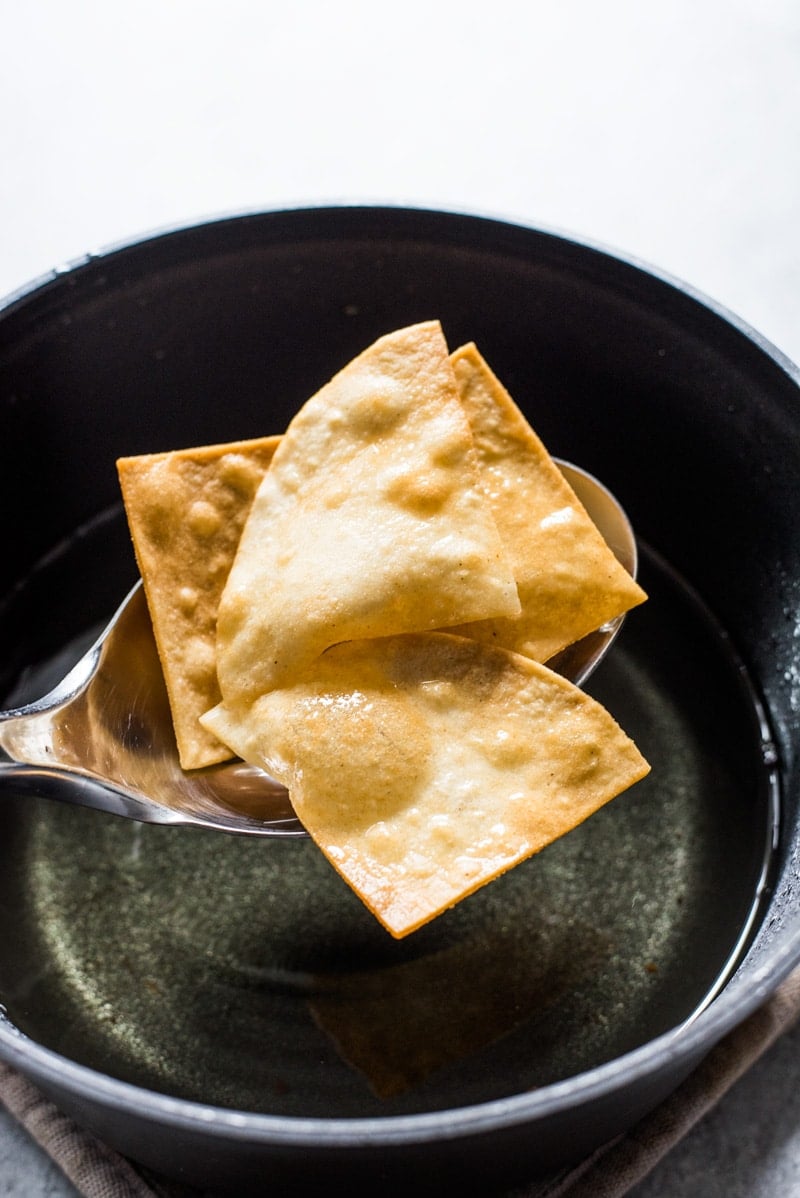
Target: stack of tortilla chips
{"x": 362, "y": 608}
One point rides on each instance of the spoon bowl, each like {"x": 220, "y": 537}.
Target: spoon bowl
{"x": 103, "y": 736}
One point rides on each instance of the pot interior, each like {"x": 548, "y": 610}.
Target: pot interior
{"x": 244, "y": 973}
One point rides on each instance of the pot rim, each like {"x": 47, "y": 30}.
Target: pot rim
{"x": 468, "y": 216}
{"x": 684, "y": 1044}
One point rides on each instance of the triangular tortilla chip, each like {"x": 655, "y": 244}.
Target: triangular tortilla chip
{"x": 569, "y": 580}
{"x": 371, "y": 521}
{"x": 426, "y": 765}
{"x": 186, "y": 510}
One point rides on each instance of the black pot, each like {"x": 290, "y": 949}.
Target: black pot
{"x": 196, "y": 1000}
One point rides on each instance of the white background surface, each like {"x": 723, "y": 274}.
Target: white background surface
{"x": 668, "y": 131}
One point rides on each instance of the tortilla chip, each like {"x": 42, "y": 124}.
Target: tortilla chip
{"x": 569, "y": 581}
{"x": 425, "y": 765}
{"x": 371, "y": 521}
{"x": 186, "y": 511}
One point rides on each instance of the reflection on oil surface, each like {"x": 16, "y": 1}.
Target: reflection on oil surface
{"x": 246, "y": 973}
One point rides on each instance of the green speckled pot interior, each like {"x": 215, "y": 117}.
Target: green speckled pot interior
{"x": 245, "y": 973}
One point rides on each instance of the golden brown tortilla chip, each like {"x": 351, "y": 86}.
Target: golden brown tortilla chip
{"x": 569, "y": 581}
{"x": 426, "y": 765}
{"x": 371, "y": 521}
{"x": 186, "y": 510}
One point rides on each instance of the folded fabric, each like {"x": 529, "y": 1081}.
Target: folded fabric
{"x": 98, "y": 1172}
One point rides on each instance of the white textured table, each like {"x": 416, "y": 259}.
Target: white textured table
{"x": 669, "y": 132}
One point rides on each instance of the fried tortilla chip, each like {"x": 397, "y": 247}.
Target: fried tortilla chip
{"x": 371, "y": 521}
{"x": 569, "y": 580}
{"x": 186, "y": 511}
{"x": 425, "y": 765}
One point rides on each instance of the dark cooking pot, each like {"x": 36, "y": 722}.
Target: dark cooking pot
{"x": 221, "y": 1010}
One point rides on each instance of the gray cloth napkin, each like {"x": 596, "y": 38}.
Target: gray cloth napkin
{"x": 98, "y": 1172}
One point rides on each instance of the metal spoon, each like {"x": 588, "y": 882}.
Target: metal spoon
{"x": 103, "y": 737}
